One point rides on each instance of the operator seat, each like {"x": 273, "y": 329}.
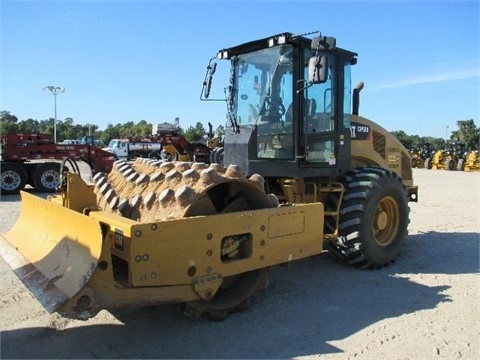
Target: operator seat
{"x": 310, "y": 108}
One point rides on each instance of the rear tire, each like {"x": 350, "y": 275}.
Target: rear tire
{"x": 420, "y": 163}
{"x": 373, "y": 218}
{"x": 450, "y": 165}
{"x": 460, "y": 165}
{"x": 13, "y": 178}
{"x": 414, "y": 162}
{"x": 428, "y": 163}
{"x": 218, "y": 156}
{"x": 47, "y": 177}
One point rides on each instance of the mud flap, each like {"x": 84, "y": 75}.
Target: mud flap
{"x": 53, "y": 250}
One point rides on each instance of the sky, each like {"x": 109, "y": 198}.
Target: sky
{"x": 123, "y": 61}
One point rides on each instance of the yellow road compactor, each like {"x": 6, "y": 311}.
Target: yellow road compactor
{"x": 304, "y": 173}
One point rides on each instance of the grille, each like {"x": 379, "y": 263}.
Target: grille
{"x": 379, "y": 143}
{"x": 406, "y": 168}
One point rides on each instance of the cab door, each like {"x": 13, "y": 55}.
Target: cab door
{"x": 318, "y": 128}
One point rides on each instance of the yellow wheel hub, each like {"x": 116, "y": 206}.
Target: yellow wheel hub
{"x": 386, "y": 221}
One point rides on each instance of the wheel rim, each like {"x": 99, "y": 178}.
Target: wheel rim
{"x": 10, "y": 180}
{"x": 386, "y": 221}
{"x": 50, "y": 179}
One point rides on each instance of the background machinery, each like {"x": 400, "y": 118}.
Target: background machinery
{"x": 439, "y": 160}
{"x": 302, "y": 175}
{"x": 420, "y": 154}
{"x": 130, "y": 148}
{"x": 35, "y": 159}
{"x": 471, "y": 161}
{"x": 215, "y": 143}
{"x": 177, "y": 148}
{"x": 415, "y": 154}
{"x": 167, "y": 146}
{"x": 457, "y": 156}
{"x": 451, "y": 158}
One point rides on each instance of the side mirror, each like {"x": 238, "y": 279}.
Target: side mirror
{"x": 318, "y": 69}
{"x": 207, "y": 84}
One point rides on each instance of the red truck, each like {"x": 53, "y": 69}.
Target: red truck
{"x": 34, "y": 159}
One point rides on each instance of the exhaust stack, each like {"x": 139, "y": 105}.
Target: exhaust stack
{"x": 356, "y": 97}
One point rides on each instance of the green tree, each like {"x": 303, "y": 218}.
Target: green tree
{"x": 416, "y": 141}
{"x": 467, "y": 134}
{"x": 47, "y": 126}
{"x": 436, "y": 143}
{"x": 65, "y": 129}
{"x": 194, "y": 134}
{"x": 412, "y": 142}
{"x": 127, "y": 129}
{"x": 142, "y": 128}
{"x": 8, "y": 122}
{"x": 405, "y": 139}
{"x": 29, "y": 126}
{"x": 91, "y": 130}
{"x": 111, "y": 132}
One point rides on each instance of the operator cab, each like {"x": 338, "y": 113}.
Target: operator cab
{"x": 288, "y": 101}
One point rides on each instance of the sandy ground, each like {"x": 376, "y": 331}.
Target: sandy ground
{"x": 426, "y": 305}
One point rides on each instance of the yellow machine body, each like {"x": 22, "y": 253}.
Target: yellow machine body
{"x": 383, "y": 150}
{"x": 472, "y": 162}
{"x": 438, "y": 161}
{"x": 69, "y": 265}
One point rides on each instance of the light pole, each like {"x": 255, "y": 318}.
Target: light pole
{"x": 54, "y": 90}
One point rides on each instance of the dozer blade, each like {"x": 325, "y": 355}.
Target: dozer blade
{"x": 53, "y": 250}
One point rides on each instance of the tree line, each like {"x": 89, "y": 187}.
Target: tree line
{"x": 467, "y": 132}
{"x": 66, "y": 129}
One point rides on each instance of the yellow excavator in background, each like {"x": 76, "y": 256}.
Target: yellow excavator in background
{"x": 471, "y": 161}
{"x": 303, "y": 174}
